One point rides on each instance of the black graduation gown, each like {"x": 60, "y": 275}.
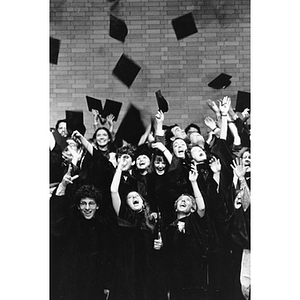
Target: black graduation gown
{"x": 186, "y": 253}
{"x": 78, "y": 251}
{"x": 132, "y": 261}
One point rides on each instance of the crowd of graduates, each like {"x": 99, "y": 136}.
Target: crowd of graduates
{"x": 165, "y": 218}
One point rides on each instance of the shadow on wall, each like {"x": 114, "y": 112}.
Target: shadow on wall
{"x": 226, "y": 13}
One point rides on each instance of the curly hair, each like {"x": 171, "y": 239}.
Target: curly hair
{"x": 88, "y": 191}
{"x": 126, "y": 149}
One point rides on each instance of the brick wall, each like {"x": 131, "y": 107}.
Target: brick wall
{"x": 180, "y": 69}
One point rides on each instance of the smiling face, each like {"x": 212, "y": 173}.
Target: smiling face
{"x": 102, "y": 138}
{"x": 184, "y": 205}
{"x": 134, "y": 201}
{"x": 159, "y": 165}
{"x": 142, "y": 162}
{"x": 198, "y": 154}
{"x": 62, "y": 129}
{"x": 88, "y": 208}
{"x": 179, "y": 148}
{"x": 246, "y": 157}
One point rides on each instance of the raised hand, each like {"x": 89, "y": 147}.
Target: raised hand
{"x": 76, "y": 135}
{"x": 160, "y": 117}
{"x": 110, "y": 119}
{"x": 238, "y": 167}
{"x": 224, "y": 105}
{"x": 215, "y": 164}
{"x": 209, "y": 122}
{"x": 68, "y": 178}
{"x": 158, "y": 145}
{"x": 193, "y": 174}
{"x": 213, "y": 106}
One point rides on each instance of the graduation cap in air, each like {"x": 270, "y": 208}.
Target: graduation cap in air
{"x": 161, "y": 102}
{"x": 112, "y": 107}
{"x": 117, "y": 28}
{"x": 60, "y": 140}
{"x": 126, "y": 70}
{"x": 184, "y": 26}
{"x": 220, "y": 82}
{"x": 94, "y": 103}
{"x": 133, "y": 126}
{"x": 75, "y": 121}
{"x": 242, "y": 101}
{"x": 54, "y": 50}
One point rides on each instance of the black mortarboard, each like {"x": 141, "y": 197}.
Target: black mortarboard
{"x": 161, "y": 101}
{"x": 220, "y": 82}
{"x": 54, "y": 50}
{"x": 242, "y": 101}
{"x": 75, "y": 121}
{"x": 132, "y": 127}
{"x": 143, "y": 149}
{"x": 94, "y": 103}
{"x": 60, "y": 140}
{"x": 111, "y": 107}
{"x": 117, "y": 29}
{"x": 184, "y": 26}
{"x": 126, "y": 70}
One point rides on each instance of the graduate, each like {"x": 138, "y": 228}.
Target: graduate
{"x": 133, "y": 261}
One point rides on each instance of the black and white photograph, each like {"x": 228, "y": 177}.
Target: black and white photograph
{"x": 151, "y": 165}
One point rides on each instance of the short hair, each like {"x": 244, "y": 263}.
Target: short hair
{"x": 88, "y": 191}
{"x": 194, "y": 203}
{"x": 126, "y": 149}
{"x": 192, "y": 125}
{"x": 60, "y": 121}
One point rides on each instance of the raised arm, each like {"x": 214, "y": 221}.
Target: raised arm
{"x": 159, "y": 117}
{"x": 224, "y": 106}
{"x": 160, "y": 146}
{"x": 193, "y": 175}
{"x": 67, "y": 179}
{"x": 77, "y": 135}
{"x": 96, "y": 117}
{"x": 114, "y": 188}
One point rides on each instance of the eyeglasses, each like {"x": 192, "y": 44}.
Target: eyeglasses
{"x": 90, "y": 204}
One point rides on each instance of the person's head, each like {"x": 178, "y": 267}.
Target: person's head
{"x": 159, "y": 163}
{"x": 135, "y": 201}
{"x": 245, "y": 155}
{"x": 102, "y": 138}
{"x": 179, "y": 147}
{"x": 88, "y": 199}
{"x": 61, "y": 127}
{"x": 197, "y": 138}
{"x": 185, "y": 204}
{"x": 128, "y": 151}
{"x": 173, "y": 132}
{"x": 143, "y": 156}
{"x": 197, "y": 153}
{"x": 192, "y": 128}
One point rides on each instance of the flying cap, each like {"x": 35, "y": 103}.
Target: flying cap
{"x": 94, "y": 103}
{"x": 133, "y": 126}
{"x": 184, "y": 26}
{"x": 112, "y": 107}
{"x": 75, "y": 121}
{"x": 220, "y": 82}
{"x": 117, "y": 29}
{"x": 126, "y": 70}
{"x": 161, "y": 102}
{"x": 242, "y": 101}
{"x": 54, "y": 50}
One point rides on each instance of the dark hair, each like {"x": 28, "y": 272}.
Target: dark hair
{"x": 88, "y": 191}
{"x": 105, "y": 129}
{"x": 192, "y": 125}
{"x": 126, "y": 149}
{"x": 156, "y": 153}
{"x": 60, "y": 121}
